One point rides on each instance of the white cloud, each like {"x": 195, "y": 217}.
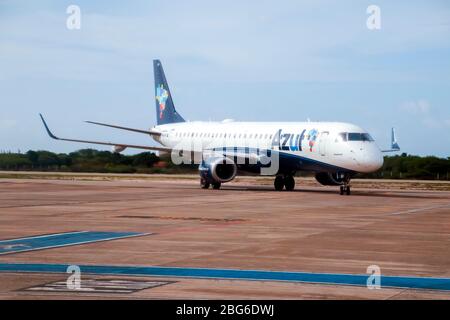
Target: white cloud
{"x": 6, "y": 124}
{"x": 416, "y": 107}
{"x": 249, "y": 41}
{"x": 432, "y": 123}
{"x": 422, "y": 111}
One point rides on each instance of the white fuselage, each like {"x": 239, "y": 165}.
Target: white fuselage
{"x": 341, "y": 145}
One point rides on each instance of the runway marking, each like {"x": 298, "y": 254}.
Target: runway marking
{"x": 420, "y": 209}
{"x": 406, "y": 282}
{"x": 57, "y": 240}
{"x": 100, "y": 286}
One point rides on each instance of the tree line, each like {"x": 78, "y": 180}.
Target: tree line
{"x": 87, "y": 160}
{"x": 406, "y": 166}
{"x": 402, "y": 166}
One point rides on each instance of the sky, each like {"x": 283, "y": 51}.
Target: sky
{"x": 262, "y": 60}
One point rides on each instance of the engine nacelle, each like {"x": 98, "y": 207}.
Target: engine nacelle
{"x": 117, "y": 149}
{"x": 218, "y": 169}
{"x": 332, "y": 179}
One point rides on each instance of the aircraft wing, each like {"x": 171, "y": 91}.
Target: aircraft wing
{"x": 120, "y": 145}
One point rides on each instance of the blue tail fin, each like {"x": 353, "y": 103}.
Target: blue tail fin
{"x": 165, "y": 110}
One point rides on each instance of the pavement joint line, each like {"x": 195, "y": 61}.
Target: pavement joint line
{"x": 419, "y": 209}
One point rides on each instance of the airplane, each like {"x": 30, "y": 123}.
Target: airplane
{"x": 333, "y": 151}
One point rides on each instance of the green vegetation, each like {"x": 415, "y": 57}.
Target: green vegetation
{"x": 413, "y": 167}
{"x": 89, "y": 160}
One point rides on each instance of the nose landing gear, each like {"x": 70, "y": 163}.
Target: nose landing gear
{"x": 345, "y": 189}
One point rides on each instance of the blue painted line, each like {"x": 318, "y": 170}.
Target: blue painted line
{"x": 233, "y": 274}
{"x": 60, "y": 240}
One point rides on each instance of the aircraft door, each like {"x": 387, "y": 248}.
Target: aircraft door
{"x": 323, "y": 143}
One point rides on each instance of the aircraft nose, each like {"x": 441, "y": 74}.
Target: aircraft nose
{"x": 377, "y": 161}
{"x": 373, "y": 160}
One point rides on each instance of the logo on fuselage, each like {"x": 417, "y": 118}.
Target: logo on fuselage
{"x": 312, "y": 137}
{"x": 161, "y": 95}
{"x": 293, "y": 142}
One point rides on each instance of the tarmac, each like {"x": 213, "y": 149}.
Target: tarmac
{"x": 165, "y": 238}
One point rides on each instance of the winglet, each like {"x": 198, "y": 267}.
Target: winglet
{"x": 48, "y": 130}
{"x": 394, "y": 144}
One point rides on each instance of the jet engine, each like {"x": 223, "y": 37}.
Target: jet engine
{"x": 218, "y": 169}
{"x": 332, "y": 179}
{"x": 117, "y": 149}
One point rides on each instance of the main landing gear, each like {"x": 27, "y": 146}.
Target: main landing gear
{"x": 205, "y": 184}
{"x": 286, "y": 181}
{"x": 345, "y": 189}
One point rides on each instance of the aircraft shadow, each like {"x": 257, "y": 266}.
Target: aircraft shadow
{"x": 375, "y": 193}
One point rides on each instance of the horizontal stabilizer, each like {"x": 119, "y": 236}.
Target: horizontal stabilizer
{"x": 150, "y": 132}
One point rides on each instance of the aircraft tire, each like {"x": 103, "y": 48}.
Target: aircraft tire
{"x": 289, "y": 183}
{"x": 204, "y": 184}
{"x": 279, "y": 183}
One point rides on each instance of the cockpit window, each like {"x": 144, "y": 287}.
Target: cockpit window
{"x": 342, "y": 137}
{"x": 366, "y": 137}
{"x": 353, "y": 136}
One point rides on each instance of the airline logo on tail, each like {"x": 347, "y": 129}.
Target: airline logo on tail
{"x": 161, "y": 95}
